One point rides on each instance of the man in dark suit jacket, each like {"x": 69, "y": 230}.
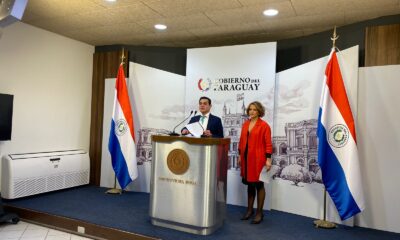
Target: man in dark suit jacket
{"x": 212, "y": 124}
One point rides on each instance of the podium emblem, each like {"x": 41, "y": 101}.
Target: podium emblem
{"x": 178, "y": 161}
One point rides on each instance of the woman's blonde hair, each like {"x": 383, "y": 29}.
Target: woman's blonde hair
{"x": 259, "y": 107}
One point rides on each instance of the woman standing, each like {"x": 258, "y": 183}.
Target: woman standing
{"x": 255, "y": 149}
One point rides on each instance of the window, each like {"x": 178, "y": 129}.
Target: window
{"x": 312, "y": 141}
{"x": 283, "y": 149}
{"x": 299, "y": 141}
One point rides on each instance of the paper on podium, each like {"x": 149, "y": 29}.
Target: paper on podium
{"x": 265, "y": 175}
{"x": 195, "y": 129}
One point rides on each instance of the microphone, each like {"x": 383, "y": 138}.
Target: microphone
{"x": 173, "y": 133}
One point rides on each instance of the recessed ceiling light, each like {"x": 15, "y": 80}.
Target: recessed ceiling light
{"x": 160, "y": 26}
{"x": 271, "y": 12}
{"x": 110, "y": 0}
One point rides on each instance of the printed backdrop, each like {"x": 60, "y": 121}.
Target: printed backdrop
{"x": 232, "y": 77}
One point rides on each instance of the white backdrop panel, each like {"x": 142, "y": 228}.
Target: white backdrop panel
{"x": 379, "y": 141}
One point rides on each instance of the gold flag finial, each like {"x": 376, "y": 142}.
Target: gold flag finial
{"x": 123, "y": 56}
{"x": 334, "y": 37}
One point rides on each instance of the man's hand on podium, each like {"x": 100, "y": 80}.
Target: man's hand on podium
{"x": 207, "y": 133}
{"x": 185, "y": 132}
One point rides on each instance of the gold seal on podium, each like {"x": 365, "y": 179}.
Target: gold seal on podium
{"x": 178, "y": 161}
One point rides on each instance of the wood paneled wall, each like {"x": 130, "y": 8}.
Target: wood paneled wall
{"x": 105, "y": 65}
{"x": 382, "y": 45}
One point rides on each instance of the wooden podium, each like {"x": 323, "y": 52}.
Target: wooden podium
{"x": 188, "y": 183}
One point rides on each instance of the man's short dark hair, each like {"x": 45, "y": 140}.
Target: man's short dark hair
{"x": 206, "y": 98}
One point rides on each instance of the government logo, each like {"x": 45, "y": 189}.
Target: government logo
{"x": 204, "y": 85}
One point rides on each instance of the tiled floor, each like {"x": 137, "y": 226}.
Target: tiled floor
{"x": 29, "y": 231}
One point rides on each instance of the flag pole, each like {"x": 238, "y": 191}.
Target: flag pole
{"x": 123, "y": 56}
{"x": 334, "y": 38}
{"x": 115, "y": 190}
{"x": 324, "y": 223}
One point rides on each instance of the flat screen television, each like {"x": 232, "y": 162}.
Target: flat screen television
{"x": 6, "y": 113}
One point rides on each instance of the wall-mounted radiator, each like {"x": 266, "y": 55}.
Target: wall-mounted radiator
{"x": 33, "y": 173}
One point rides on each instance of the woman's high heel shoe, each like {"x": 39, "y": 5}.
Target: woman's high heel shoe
{"x": 259, "y": 220}
{"x": 247, "y": 216}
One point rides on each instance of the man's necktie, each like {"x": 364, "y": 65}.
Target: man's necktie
{"x": 202, "y": 119}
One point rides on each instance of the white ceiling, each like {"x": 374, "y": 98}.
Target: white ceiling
{"x": 198, "y": 23}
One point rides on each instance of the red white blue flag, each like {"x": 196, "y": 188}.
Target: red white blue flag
{"x": 121, "y": 143}
{"x": 337, "y": 146}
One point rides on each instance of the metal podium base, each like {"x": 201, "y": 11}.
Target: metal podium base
{"x": 186, "y": 228}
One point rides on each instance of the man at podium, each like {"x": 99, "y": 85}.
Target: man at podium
{"x": 211, "y": 124}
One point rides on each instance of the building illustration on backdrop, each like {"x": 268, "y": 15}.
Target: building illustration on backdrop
{"x": 294, "y": 155}
{"x": 232, "y": 123}
{"x": 143, "y": 145}
{"x": 299, "y": 146}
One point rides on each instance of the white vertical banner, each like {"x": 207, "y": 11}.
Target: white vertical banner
{"x": 232, "y": 77}
{"x": 157, "y": 100}
{"x": 297, "y": 187}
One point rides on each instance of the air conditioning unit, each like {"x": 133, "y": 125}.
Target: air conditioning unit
{"x": 33, "y": 173}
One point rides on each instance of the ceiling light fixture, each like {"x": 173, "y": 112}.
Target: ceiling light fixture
{"x": 271, "y": 12}
{"x": 160, "y": 26}
{"x": 110, "y": 0}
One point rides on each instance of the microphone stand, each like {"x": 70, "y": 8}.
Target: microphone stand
{"x": 173, "y": 133}
{"x": 202, "y": 135}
